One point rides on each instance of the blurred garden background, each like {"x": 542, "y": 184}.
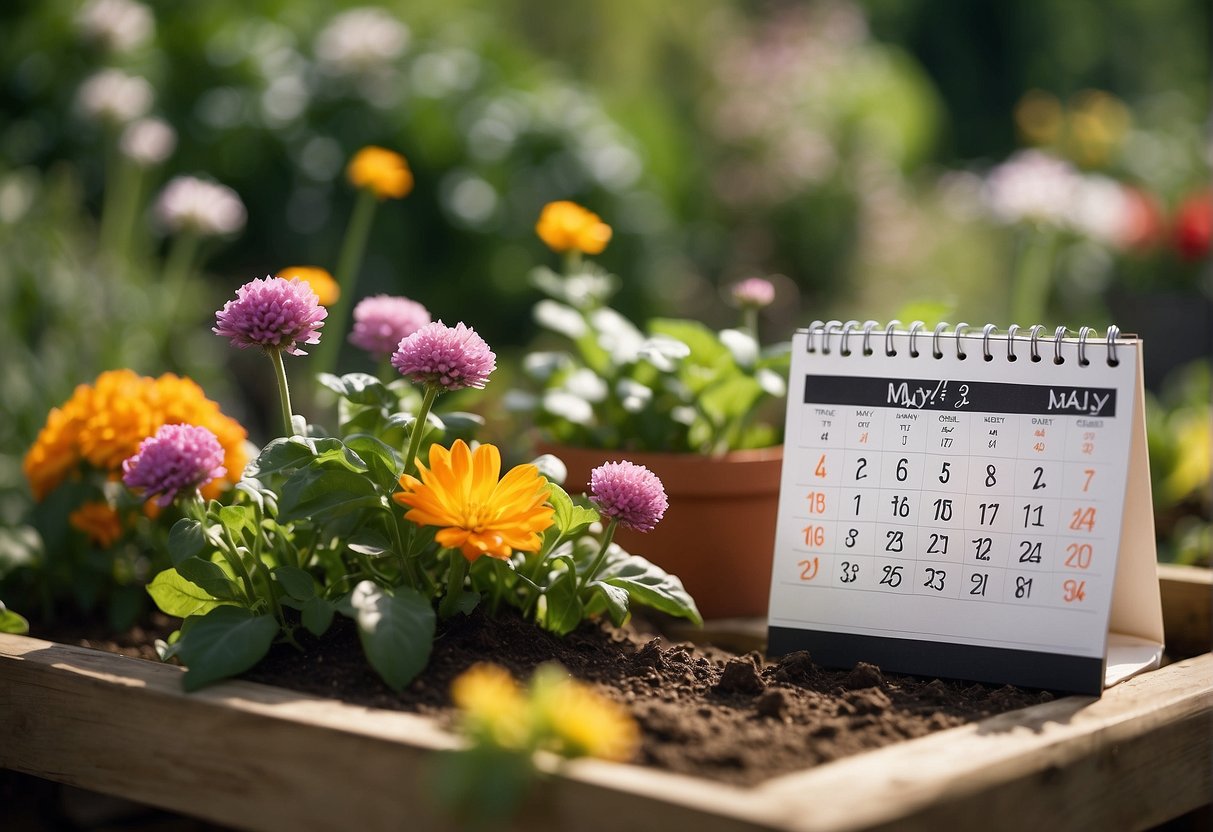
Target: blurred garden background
{"x": 1036, "y": 162}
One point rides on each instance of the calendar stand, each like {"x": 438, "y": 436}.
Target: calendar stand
{"x": 967, "y": 505}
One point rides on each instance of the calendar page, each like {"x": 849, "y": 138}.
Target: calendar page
{"x": 951, "y": 506}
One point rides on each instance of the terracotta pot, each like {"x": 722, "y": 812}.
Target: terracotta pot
{"x": 718, "y": 534}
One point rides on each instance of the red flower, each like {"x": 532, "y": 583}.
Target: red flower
{"x": 1194, "y": 225}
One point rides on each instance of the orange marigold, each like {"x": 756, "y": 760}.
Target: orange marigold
{"x": 383, "y": 172}
{"x": 566, "y": 226}
{"x": 103, "y": 423}
{"x": 322, "y": 283}
{"x": 99, "y": 521}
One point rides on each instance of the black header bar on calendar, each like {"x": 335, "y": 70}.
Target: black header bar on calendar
{"x": 960, "y": 396}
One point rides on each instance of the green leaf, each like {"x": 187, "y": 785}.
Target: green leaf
{"x": 614, "y": 598}
{"x": 176, "y": 596}
{"x": 185, "y": 540}
{"x": 648, "y": 584}
{"x": 569, "y": 518}
{"x": 705, "y": 346}
{"x": 317, "y": 615}
{"x": 11, "y": 622}
{"x": 210, "y": 578}
{"x": 564, "y": 609}
{"x": 225, "y": 642}
{"x": 383, "y": 462}
{"x": 396, "y": 630}
{"x": 238, "y": 520}
{"x": 295, "y": 582}
{"x": 359, "y": 388}
{"x": 282, "y": 456}
{"x": 320, "y": 494}
{"x": 370, "y": 543}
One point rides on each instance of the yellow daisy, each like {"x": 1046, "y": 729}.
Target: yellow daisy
{"x": 383, "y": 172}
{"x": 566, "y": 226}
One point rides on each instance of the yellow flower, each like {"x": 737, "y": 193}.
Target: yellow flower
{"x": 104, "y": 423}
{"x": 383, "y": 172}
{"x": 99, "y": 521}
{"x": 321, "y": 281}
{"x": 493, "y": 704}
{"x": 580, "y": 722}
{"x": 480, "y": 515}
{"x": 566, "y": 226}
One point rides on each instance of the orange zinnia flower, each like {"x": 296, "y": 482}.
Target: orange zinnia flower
{"x": 322, "y": 283}
{"x": 566, "y": 226}
{"x": 383, "y": 172}
{"x": 479, "y": 514}
{"x": 99, "y": 521}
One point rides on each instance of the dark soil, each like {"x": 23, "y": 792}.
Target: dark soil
{"x": 702, "y": 711}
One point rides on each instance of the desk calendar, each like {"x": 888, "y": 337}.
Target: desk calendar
{"x": 969, "y": 504}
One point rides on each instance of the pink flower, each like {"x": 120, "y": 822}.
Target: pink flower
{"x": 382, "y": 321}
{"x": 273, "y": 313}
{"x": 450, "y": 357}
{"x": 178, "y": 458}
{"x": 629, "y": 493}
{"x": 754, "y": 292}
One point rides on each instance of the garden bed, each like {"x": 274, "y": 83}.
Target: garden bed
{"x": 261, "y": 757}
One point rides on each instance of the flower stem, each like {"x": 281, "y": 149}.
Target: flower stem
{"x": 284, "y": 390}
{"x": 1031, "y": 278}
{"x": 348, "y": 263}
{"x": 749, "y": 321}
{"x": 410, "y": 459}
{"x": 177, "y": 269}
{"x": 454, "y": 584}
{"x": 607, "y": 536}
{"x": 572, "y": 261}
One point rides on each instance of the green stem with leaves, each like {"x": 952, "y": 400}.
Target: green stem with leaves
{"x": 284, "y": 390}
{"x": 353, "y": 247}
{"x": 607, "y": 537}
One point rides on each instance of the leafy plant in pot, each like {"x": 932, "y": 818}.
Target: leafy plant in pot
{"x": 676, "y": 396}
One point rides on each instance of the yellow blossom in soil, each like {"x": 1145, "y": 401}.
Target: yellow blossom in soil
{"x": 579, "y": 721}
{"x": 322, "y": 283}
{"x": 479, "y": 515}
{"x": 383, "y": 172}
{"x": 566, "y": 226}
{"x": 493, "y": 704}
{"x": 99, "y": 521}
{"x": 102, "y": 424}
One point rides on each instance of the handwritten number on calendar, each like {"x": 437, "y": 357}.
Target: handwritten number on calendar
{"x": 814, "y": 536}
{"x": 935, "y": 578}
{"x": 1029, "y": 552}
{"x": 894, "y": 541}
{"x": 981, "y": 548}
{"x": 1083, "y": 520}
{"x": 820, "y": 471}
{"x": 892, "y": 576}
{"x": 938, "y": 545}
{"x": 943, "y": 510}
{"x": 1073, "y": 590}
{"x": 1090, "y": 472}
{"x": 808, "y": 569}
{"x": 861, "y": 463}
{"x": 857, "y": 496}
{"x": 817, "y": 502}
{"x": 991, "y": 476}
{"x": 901, "y": 506}
{"x": 978, "y": 581}
{"x": 1033, "y": 516}
{"x": 902, "y": 471}
{"x": 852, "y": 534}
{"x": 993, "y": 512}
{"x": 1040, "y": 481}
{"x": 1078, "y": 555}
{"x": 1023, "y": 587}
{"x": 850, "y": 572}
{"x": 945, "y": 473}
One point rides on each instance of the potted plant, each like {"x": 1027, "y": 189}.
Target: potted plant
{"x": 697, "y": 406}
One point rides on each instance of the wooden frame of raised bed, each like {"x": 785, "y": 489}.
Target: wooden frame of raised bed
{"x": 259, "y": 757}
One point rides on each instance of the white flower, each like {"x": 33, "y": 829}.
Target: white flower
{"x": 148, "y": 141}
{"x": 586, "y": 384}
{"x": 361, "y": 40}
{"x": 568, "y": 407}
{"x": 118, "y": 25}
{"x": 1032, "y": 186}
{"x": 113, "y": 96}
{"x": 559, "y": 318}
{"x": 200, "y": 207}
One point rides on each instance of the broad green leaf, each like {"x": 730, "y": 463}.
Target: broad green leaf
{"x": 238, "y": 520}
{"x": 648, "y": 584}
{"x": 370, "y": 543}
{"x": 295, "y": 582}
{"x": 185, "y": 540}
{"x": 564, "y": 610}
{"x": 468, "y": 601}
{"x": 396, "y": 630}
{"x": 225, "y": 642}
{"x": 11, "y": 622}
{"x": 317, "y": 615}
{"x": 615, "y": 599}
{"x": 383, "y": 461}
{"x": 320, "y": 494}
{"x": 359, "y": 388}
{"x": 176, "y": 596}
{"x": 281, "y": 456}
{"x": 211, "y": 578}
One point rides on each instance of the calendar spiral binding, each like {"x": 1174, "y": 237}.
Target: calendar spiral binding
{"x": 843, "y": 331}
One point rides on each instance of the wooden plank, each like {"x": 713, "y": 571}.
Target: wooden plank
{"x": 1187, "y": 608}
{"x": 262, "y": 758}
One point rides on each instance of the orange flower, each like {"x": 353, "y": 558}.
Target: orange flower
{"x": 383, "y": 172}
{"x": 99, "y": 521}
{"x": 104, "y": 423}
{"x": 321, "y": 281}
{"x": 479, "y": 514}
{"x": 566, "y": 226}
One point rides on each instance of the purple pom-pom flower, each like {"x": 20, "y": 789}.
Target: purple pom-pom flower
{"x": 442, "y": 356}
{"x": 274, "y": 313}
{"x": 629, "y": 493}
{"x": 178, "y": 458}
{"x": 754, "y": 292}
{"x": 382, "y": 321}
